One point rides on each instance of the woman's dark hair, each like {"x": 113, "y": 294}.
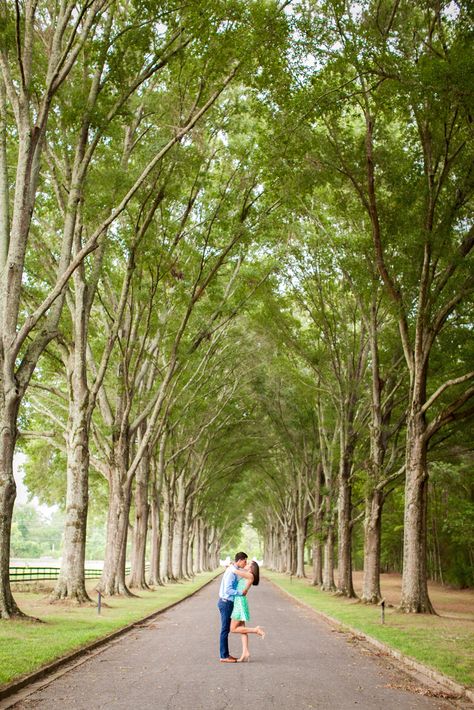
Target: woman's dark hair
{"x": 255, "y": 570}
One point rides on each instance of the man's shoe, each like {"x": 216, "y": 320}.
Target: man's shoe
{"x": 229, "y": 659}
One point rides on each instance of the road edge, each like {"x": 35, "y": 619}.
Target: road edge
{"x": 48, "y": 672}
{"x": 444, "y": 681}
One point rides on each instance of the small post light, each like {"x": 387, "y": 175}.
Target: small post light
{"x": 99, "y": 601}
{"x": 383, "y": 611}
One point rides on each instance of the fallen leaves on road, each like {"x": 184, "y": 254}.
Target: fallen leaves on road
{"x": 420, "y": 690}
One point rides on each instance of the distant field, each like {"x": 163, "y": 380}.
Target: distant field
{"x": 444, "y": 642}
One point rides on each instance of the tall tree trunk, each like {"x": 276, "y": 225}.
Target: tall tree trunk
{"x": 415, "y": 597}
{"x": 214, "y": 549}
{"x": 138, "y": 575}
{"x": 344, "y": 537}
{"x": 344, "y": 503}
{"x": 291, "y": 566}
{"x": 71, "y": 582}
{"x": 178, "y": 533}
{"x": 4, "y": 182}
{"x": 328, "y": 584}
{"x": 300, "y": 547}
{"x": 197, "y": 546}
{"x": 282, "y": 547}
{"x": 375, "y": 496}
{"x": 113, "y": 574}
{"x": 187, "y": 542}
{"x": 8, "y": 433}
{"x": 190, "y": 554}
{"x": 154, "y": 578}
{"x": 371, "y": 593}
{"x": 203, "y": 547}
{"x": 206, "y": 565}
{"x": 167, "y": 537}
{"x": 317, "y": 579}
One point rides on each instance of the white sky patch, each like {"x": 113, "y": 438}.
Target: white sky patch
{"x": 23, "y": 495}
{"x": 451, "y": 11}
{"x": 223, "y": 137}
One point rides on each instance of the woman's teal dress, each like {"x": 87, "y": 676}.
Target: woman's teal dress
{"x": 241, "y": 605}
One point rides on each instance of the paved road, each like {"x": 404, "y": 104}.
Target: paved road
{"x": 173, "y": 664}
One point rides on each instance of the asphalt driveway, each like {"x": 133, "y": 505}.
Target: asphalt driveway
{"x": 172, "y": 663}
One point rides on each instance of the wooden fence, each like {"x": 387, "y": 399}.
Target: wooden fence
{"x": 37, "y": 574}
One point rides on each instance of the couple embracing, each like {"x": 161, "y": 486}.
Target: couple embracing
{"x": 233, "y": 606}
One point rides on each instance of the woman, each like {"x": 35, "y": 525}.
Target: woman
{"x": 249, "y": 575}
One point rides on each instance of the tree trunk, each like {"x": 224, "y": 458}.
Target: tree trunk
{"x": 138, "y": 575}
{"x": 282, "y": 545}
{"x": 71, "y": 582}
{"x": 300, "y": 546}
{"x": 328, "y": 563}
{"x": 187, "y": 542}
{"x": 317, "y": 530}
{"x": 344, "y": 539}
{"x": 177, "y": 544}
{"x": 178, "y": 531}
{"x": 154, "y": 578}
{"x": 344, "y": 510}
{"x": 4, "y": 181}
{"x": 8, "y": 433}
{"x": 113, "y": 574}
{"x": 197, "y": 546}
{"x": 291, "y": 559}
{"x": 190, "y": 556}
{"x": 167, "y": 538}
{"x": 415, "y": 596}
{"x": 371, "y": 593}
{"x": 203, "y": 547}
{"x": 214, "y": 549}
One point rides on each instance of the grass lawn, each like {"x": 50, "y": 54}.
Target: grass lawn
{"x": 26, "y": 646}
{"x": 444, "y": 643}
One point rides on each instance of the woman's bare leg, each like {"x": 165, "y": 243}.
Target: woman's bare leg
{"x": 245, "y": 649}
{"x": 238, "y": 627}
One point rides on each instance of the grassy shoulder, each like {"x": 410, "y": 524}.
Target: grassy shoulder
{"x": 445, "y": 643}
{"x": 26, "y": 646}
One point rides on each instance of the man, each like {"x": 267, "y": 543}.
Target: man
{"x": 227, "y": 592}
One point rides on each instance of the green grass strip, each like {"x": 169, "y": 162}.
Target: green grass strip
{"x": 27, "y": 646}
{"x": 444, "y": 643}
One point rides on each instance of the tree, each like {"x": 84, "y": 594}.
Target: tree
{"x": 388, "y": 120}
{"x": 35, "y": 61}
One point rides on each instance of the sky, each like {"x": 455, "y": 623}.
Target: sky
{"x": 22, "y": 492}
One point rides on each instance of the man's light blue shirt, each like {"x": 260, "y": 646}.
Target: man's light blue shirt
{"x": 229, "y": 582}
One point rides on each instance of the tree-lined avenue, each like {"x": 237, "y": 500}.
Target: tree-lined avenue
{"x": 236, "y": 244}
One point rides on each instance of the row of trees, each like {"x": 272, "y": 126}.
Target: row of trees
{"x": 236, "y": 253}
{"x": 379, "y": 280}
{"x": 116, "y": 223}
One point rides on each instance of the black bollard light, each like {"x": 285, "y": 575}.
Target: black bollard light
{"x": 99, "y": 602}
{"x": 383, "y": 611}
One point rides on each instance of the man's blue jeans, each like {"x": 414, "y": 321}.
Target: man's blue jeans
{"x": 225, "y": 608}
